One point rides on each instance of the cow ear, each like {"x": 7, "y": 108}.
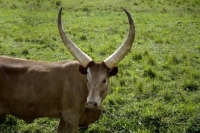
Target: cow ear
{"x": 82, "y": 70}
{"x": 113, "y": 71}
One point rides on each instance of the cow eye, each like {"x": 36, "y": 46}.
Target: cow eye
{"x": 104, "y": 81}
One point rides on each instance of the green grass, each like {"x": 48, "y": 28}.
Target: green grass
{"x": 158, "y": 85}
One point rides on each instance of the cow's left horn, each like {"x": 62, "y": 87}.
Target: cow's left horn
{"x": 121, "y": 52}
{"x": 83, "y": 58}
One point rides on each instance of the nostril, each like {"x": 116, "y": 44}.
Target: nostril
{"x": 95, "y": 104}
{"x": 91, "y": 104}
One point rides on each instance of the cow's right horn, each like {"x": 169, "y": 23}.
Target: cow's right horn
{"x": 83, "y": 58}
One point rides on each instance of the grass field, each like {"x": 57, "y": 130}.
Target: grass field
{"x": 157, "y": 88}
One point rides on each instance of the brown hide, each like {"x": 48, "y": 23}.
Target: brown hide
{"x": 34, "y": 89}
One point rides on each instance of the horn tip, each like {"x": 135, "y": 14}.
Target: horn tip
{"x": 60, "y": 10}
{"x": 129, "y": 16}
{"x": 124, "y": 9}
{"x": 59, "y": 15}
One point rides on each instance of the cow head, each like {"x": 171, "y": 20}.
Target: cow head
{"x": 98, "y": 73}
{"x": 97, "y": 82}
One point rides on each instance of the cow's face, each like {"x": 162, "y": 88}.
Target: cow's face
{"x": 98, "y": 84}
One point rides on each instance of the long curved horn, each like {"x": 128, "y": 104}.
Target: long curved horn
{"x": 121, "y": 52}
{"x": 83, "y": 58}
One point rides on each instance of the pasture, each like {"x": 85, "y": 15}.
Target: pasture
{"x": 157, "y": 88}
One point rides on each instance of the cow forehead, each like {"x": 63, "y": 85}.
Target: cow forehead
{"x": 96, "y": 71}
{"x": 89, "y": 75}
{"x": 96, "y": 68}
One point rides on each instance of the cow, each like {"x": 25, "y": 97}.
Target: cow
{"x": 71, "y": 90}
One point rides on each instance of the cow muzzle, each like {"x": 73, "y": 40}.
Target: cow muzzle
{"x": 91, "y": 105}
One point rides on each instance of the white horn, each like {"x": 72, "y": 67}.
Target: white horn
{"x": 83, "y": 58}
{"x": 121, "y": 52}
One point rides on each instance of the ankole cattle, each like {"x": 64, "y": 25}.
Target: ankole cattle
{"x": 69, "y": 90}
